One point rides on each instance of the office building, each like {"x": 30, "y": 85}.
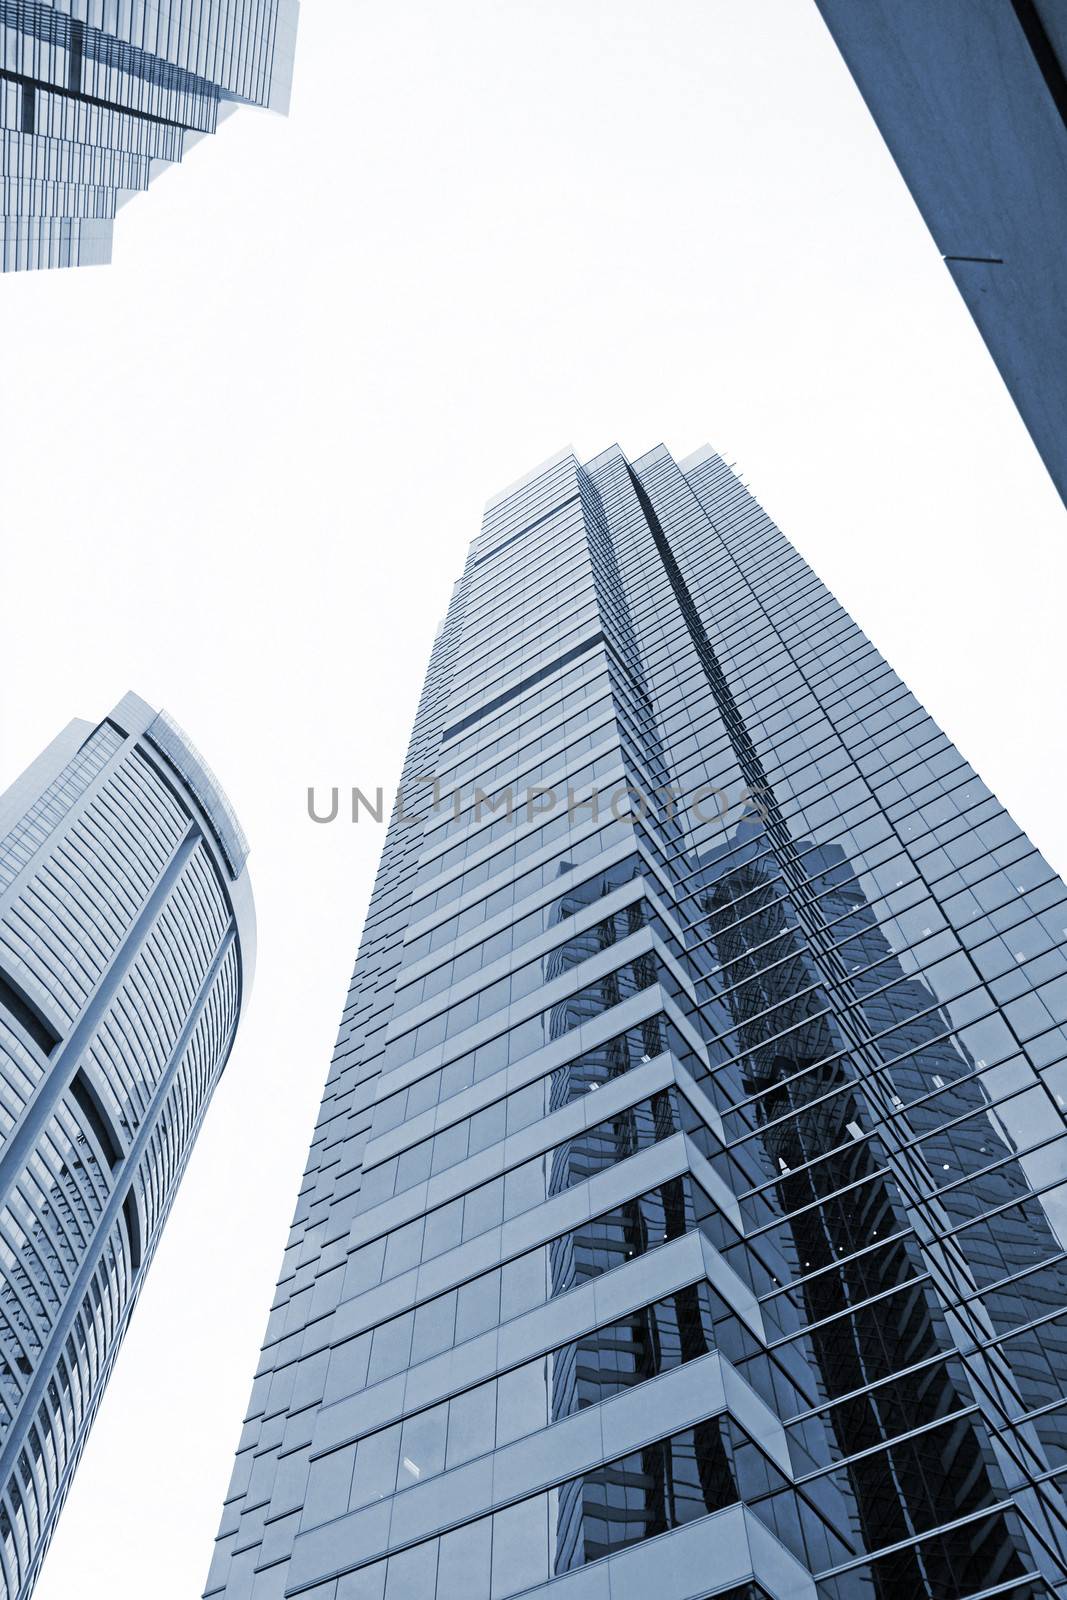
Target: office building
{"x": 98, "y": 96}
{"x": 685, "y": 1214}
{"x": 127, "y": 943}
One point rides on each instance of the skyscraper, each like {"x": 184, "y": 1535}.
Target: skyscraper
{"x": 972, "y": 102}
{"x": 685, "y": 1213}
{"x": 127, "y": 944}
{"x": 96, "y": 96}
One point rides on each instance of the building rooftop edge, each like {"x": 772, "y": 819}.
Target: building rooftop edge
{"x": 566, "y": 454}
{"x": 45, "y": 767}
{"x": 696, "y": 458}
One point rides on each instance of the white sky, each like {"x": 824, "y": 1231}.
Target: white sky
{"x": 241, "y": 467}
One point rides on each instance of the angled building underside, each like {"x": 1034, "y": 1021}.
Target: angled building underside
{"x": 971, "y": 98}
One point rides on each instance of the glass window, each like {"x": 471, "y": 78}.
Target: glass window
{"x": 522, "y": 1401}
{"x": 435, "y": 1326}
{"x": 391, "y": 1349}
{"x": 444, "y": 1229}
{"x": 525, "y": 1186}
{"x": 403, "y": 1249}
{"x": 471, "y": 1424}
{"x": 377, "y": 1457}
{"x": 464, "y": 1563}
{"x": 520, "y": 1547}
{"x": 422, "y": 1445}
{"x": 523, "y": 1285}
{"x": 412, "y": 1572}
{"x": 328, "y": 1484}
{"x": 478, "y": 1306}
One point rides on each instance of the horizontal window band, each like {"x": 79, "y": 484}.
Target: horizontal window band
{"x": 529, "y": 528}
{"x": 30, "y": 1018}
{"x": 520, "y": 688}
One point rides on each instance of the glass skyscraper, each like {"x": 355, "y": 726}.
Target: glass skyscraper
{"x": 97, "y": 95}
{"x": 685, "y": 1213}
{"x": 127, "y": 944}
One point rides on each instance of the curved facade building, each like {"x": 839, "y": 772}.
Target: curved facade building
{"x": 127, "y": 938}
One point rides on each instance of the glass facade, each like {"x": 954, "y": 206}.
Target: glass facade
{"x": 97, "y": 95}
{"x": 685, "y": 1213}
{"x": 127, "y": 941}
